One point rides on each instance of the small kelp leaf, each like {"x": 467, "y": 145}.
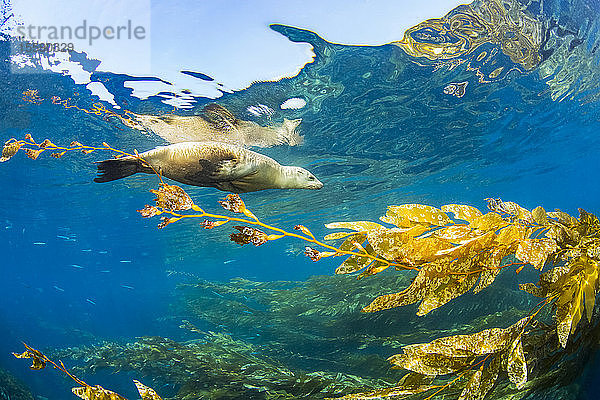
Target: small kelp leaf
{"x": 419, "y": 213}
{"x": 233, "y": 203}
{"x": 149, "y": 211}
{"x": 429, "y": 364}
{"x": 249, "y": 235}
{"x": 33, "y": 154}
{"x": 172, "y": 197}
{"x": 38, "y": 361}
{"x": 358, "y": 226}
{"x": 488, "y": 222}
{"x": 460, "y": 211}
{"x": 516, "y": 365}
{"x": 539, "y": 215}
{"x": 146, "y": 392}
{"x": 535, "y": 251}
{"x": 11, "y": 147}
{"x": 96, "y": 393}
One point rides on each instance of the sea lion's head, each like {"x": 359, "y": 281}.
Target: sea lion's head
{"x": 299, "y": 178}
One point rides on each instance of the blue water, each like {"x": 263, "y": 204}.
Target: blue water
{"x": 378, "y": 129}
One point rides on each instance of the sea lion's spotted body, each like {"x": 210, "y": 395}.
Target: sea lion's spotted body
{"x": 219, "y": 165}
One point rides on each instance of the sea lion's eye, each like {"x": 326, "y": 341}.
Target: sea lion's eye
{"x": 311, "y": 178}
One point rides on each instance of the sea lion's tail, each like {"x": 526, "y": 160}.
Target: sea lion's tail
{"x": 111, "y": 170}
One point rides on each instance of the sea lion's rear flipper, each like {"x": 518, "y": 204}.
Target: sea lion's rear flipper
{"x": 111, "y": 170}
{"x": 220, "y": 117}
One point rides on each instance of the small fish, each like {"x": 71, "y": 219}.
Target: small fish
{"x": 62, "y": 237}
{"x": 58, "y": 288}
{"x": 102, "y": 252}
{"x": 76, "y": 266}
{"x": 90, "y": 301}
{"x": 86, "y": 250}
{"x": 247, "y": 312}
{"x": 39, "y": 243}
{"x": 229, "y": 261}
{"x": 218, "y": 294}
{"x": 106, "y": 271}
{"x": 127, "y": 287}
{"x": 125, "y": 261}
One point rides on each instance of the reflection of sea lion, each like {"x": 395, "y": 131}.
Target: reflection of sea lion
{"x": 220, "y": 165}
{"x": 217, "y": 124}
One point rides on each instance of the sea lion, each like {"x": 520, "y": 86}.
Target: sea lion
{"x": 217, "y": 124}
{"x": 220, "y": 165}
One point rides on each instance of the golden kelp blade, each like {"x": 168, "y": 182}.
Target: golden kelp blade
{"x": 96, "y": 393}
{"x": 516, "y": 365}
{"x": 10, "y": 148}
{"x": 146, "y": 392}
{"x": 429, "y": 364}
{"x": 535, "y": 251}
{"x": 488, "y": 341}
{"x": 422, "y": 214}
{"x": 358, "y": 226}
{"x": 577, "y": 293}
{"x": 37, "y": 358}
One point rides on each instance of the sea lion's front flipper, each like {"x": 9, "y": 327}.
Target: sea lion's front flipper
{"x": 227, "y": 170}
{"x": 220, "y": 117}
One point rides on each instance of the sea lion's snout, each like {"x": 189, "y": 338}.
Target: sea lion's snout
{"x": 312, "y": 182}
{"x": 315, "y": 184}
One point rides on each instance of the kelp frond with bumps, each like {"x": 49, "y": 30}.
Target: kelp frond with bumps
{"x": 454, "y": 250}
